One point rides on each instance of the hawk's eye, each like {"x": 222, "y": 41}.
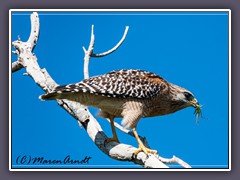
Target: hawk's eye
{"x": 188, "y": 96}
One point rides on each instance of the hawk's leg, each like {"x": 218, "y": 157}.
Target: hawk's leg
{"x": 114, "y": 138}
{"x": 141, "y": 146}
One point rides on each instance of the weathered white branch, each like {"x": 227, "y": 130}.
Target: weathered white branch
{"x": 115, "y": 47}
{"x": 29, "y": 45}
{"x": 115, "y": 150}
{"x": 35, "y": 27}
{"x": 88, "y": 54}
{"x": 175, "y": 159}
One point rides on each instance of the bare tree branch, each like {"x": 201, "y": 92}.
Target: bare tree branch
{"x": 16, "y": 66}
{"x": 88, "y": 54}
{"x": 35, "y": 27}
{"x": 29, "y": 45}
{"x": 114, "y": 150}
{"x": 115, "y": 47}
{"x": 175, "y": 159}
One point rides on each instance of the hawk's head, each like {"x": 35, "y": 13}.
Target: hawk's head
{"x": 186, "y": 99}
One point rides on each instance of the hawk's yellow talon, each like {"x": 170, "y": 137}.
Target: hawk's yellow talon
{"x": 141, "y": 146}
{"x": 145, "y": 150}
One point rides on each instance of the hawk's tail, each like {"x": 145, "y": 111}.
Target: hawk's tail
{"x": 60, "y": 92}
{"x": 55, "y": 95}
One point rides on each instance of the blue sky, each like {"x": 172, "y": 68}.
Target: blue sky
{"x": 189, "y": 49}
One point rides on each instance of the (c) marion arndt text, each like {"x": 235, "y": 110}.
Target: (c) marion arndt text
{"x": 27, "y": 160}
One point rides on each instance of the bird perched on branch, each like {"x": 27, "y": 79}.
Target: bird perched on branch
{"x": 131, "y": 94}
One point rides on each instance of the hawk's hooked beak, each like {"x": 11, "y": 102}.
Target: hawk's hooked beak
{"x": 194, "y": 103}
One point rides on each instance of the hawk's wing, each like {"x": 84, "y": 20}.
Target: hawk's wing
{"x": 122, "y": 84}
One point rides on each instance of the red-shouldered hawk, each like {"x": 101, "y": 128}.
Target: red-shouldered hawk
{"x": 131, "y": 94}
